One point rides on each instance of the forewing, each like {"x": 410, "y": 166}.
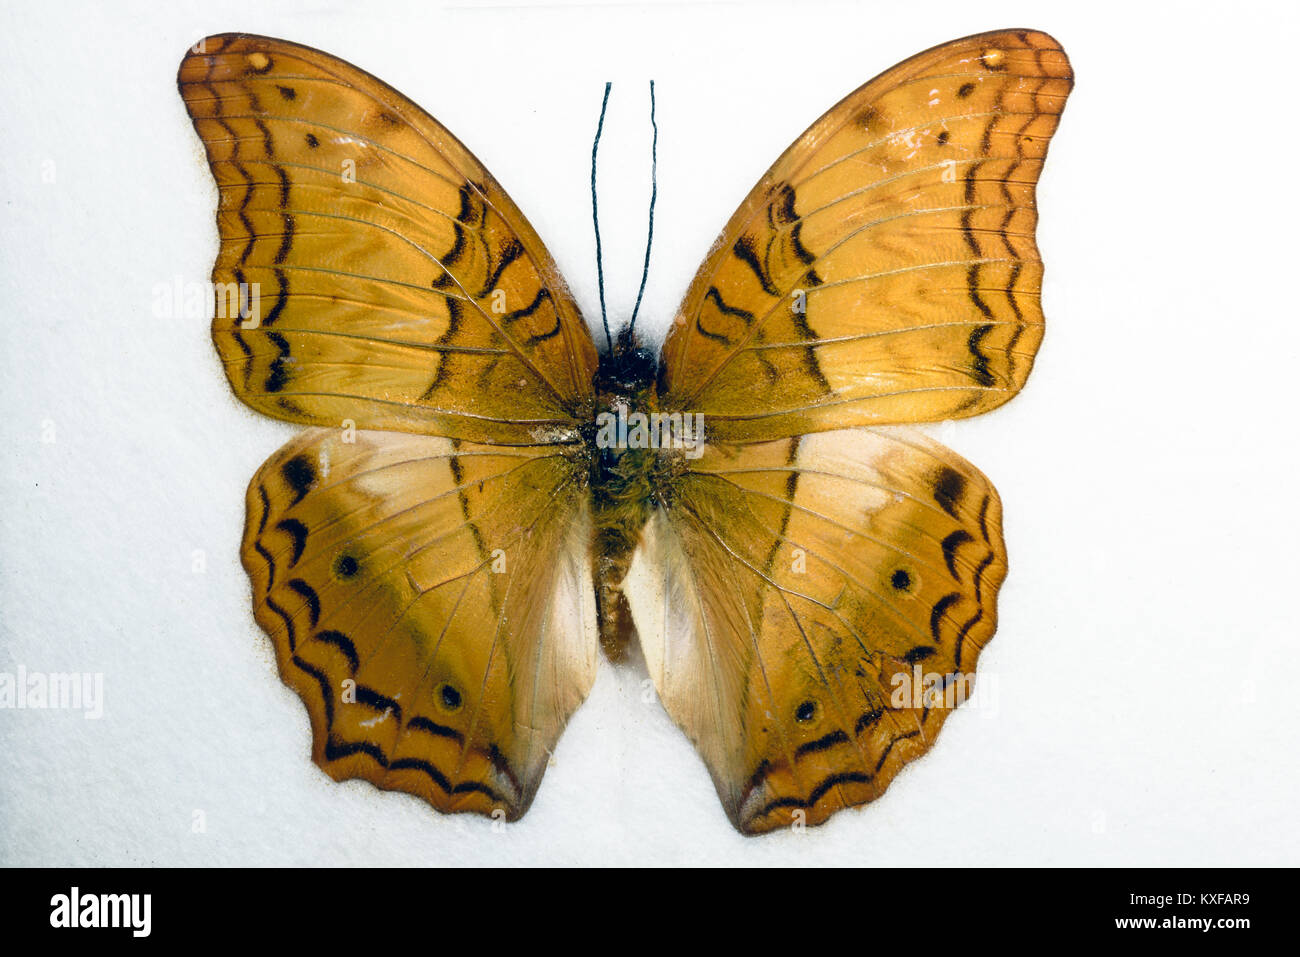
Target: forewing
{"x": 370, "y": 268}
{"x": 884, "y": 270}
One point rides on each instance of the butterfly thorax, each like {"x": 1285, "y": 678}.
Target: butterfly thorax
{"x": 633, "y": 458}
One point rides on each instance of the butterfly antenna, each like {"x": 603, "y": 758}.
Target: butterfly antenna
{"x": 595, "y": 221}
{"x": 654, "y": 194}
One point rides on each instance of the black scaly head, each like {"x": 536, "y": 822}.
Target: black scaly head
{"x": 629, "y": 370}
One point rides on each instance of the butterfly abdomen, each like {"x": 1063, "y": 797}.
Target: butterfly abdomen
{"x": 616, "y": 535}
{"x": 622, "y": 497}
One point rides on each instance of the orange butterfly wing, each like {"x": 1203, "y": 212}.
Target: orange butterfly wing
{"x": 884, "y": 269}
{"x": 397, "y": 285}
{"x": 430, "y": 601}
{"x": 790, "y": 593}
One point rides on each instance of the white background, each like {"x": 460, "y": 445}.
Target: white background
{"x": 1138, "y": 705}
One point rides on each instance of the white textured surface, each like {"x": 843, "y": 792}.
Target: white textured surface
{"x": 1144, "y": 709}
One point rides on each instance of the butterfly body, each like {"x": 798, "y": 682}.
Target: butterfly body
{"x": 631, "y": 474}
{"x": 484, "y": 503}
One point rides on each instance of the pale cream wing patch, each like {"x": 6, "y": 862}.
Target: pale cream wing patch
{"x": 792, "y": 591}
{"x": 431, "y": 602}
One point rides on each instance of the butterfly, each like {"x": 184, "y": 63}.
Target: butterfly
{"x": 485, "y": 499}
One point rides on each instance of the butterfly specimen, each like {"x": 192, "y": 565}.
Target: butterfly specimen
{"x": 439, "y": 559}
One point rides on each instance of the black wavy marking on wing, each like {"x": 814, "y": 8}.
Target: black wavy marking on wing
{"x": 428, "y": 726}
{"x": 543, "y": 295}
{"x": 455, "y": 307}
{"x": 950, "y": 545}
{"x": 284, "y": 615}
{"x": 377, "y": 701}
{"x": 743, "y": 249}
{"x": 782, "y": 214}
{"x": 286, "y": 237}
{"x": 787, "y": 504}
{"x": 308, "y": 595}
{"x": 297, "y": 531}
{"x": 425, "y": 767}
{"x": 821, "y": 744}
{"x": 277, "y": 375}
{"x": 511, "y": 251}
{"x": 919, "y": 653}
{"x": 282, "y": 251}
{"x": 890, "y": 747}
{"x": 867, "y": 719}
{"x": 344, "y": 644}
{"x": 336, "y": 746}
{"x": 1020, "y": 157}
{"x": 744, "y": 315}
{"x": 452, "y": 255}
{"x": 326, "y": 693}
{"x": 816, "y": 794}
{"x": 824, "y": 786}
{"x": 462, "y": 495}
{"x": 217, "y": 114}
{"x": 950, "y": 487}
{"x": 940, "y": 609}
{"x": 765, "y": 767}
{"x": 980, "y": 569}
{"x": 979, "y": 361}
